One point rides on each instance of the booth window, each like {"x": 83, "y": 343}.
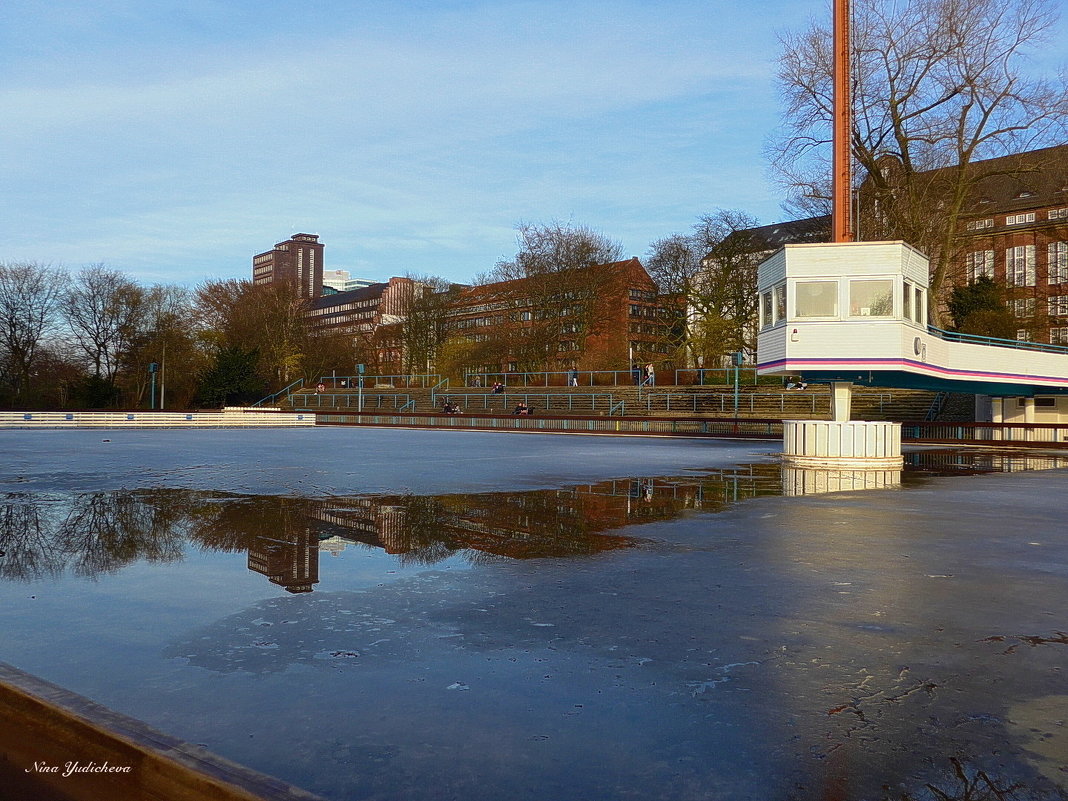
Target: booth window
{"x": 906, "y": 302}
{"x": 871, "y": 298}
{"x": 816, "y": 299}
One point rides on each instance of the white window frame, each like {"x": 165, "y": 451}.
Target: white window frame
{"x": 1020, "y": 265}
{"x": 980, "y": 262}
{"x": 1057, "y": 262}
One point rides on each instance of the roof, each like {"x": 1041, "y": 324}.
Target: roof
{"x": 371, "y": 292}
{"x": 1021, "y": 180}
{"x": 630, "y": 268}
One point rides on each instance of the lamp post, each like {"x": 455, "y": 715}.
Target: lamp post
{"x": 152, "y": 368}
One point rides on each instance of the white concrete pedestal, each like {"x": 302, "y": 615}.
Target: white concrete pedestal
{"x": 843, "y": 444}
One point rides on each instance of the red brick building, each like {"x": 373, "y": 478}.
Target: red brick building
{"x": 1017, "y": 233}
{"x": 298, "y": 261}
{"x": 598, "y": 318}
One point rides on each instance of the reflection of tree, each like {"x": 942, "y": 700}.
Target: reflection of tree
{"x": 27, "y": 541}
{"x": 961, "y": 782}
{"x": 234, "y": 522}
{"x": 105, "y": 531}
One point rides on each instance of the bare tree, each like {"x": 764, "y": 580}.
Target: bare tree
{"x": 713, "y": 269}
{"x": 938, "y": 86}
{"x": 165, "y": 337}
{"x": 559, "y": 290}
{"x": 425, "y": 312}
{"x": 103, "y": 309}
{"x": 29, "y": 303}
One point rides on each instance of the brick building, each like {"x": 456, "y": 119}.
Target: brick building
{"x": 298, "y": 260}
{"x": 1017, "y": 233}
{"x": 596, "y": 318}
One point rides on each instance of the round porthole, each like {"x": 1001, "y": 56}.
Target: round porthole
{"x": 917, "y": 346}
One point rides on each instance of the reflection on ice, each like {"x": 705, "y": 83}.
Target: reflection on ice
{"x": 813, "y": 481}
{"x": 91, "y": 534}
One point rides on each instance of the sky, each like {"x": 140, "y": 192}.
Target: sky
{"x": 175, "y": 139}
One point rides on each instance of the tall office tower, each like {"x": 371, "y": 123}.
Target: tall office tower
{"x": 298, "y": 260}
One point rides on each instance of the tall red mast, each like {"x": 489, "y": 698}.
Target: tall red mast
{"x": 842, "y": 175}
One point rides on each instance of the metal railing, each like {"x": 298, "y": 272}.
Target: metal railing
{"x": 306, "y": 401}
{"x": 973, "y": 339}
{"x": 551, "y": 378}
{"x": 536, "y": 401}
{"x": 284, "y": 391}
{"x": 709, "y": 376}
{"x": 1042, "y": 435}
{"x": 781, "y": 402}
{"x": 442, "y": 384}
{"x": 688, "y": 427}
{"x": 397, "y": 381}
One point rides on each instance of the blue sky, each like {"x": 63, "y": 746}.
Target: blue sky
{"x": 174, "y": 140}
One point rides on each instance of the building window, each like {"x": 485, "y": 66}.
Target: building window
{"x": 976, "y": 225}
{"x": 1020, "y": 266}
{"x": 816, "y": 299}
{"x": 1058, "y": 262}
{"x": 918, "y": 311}
{"x": 1057, "y": 214}
{"x": 780, "y": 303}
{"x": 906, "y": 301}
{"x": 1023, "y": 335}
{"x": 869, "y": 298}
{"x": 1020, "y": 219}
{"x": 766, "y": 316}
{"x": 1023, "y": 307}
{"x": 980, "y": 262}
{"x": 1058, "y": 336}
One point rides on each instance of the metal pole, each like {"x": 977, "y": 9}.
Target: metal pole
{"x": 163, "y": 379}
{"x": 842, "y": 170}
{"x": 152, "y": 404}
{"x": 736, "y": 390}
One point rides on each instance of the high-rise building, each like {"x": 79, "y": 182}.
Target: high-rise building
{"x": 342, "y": 281}
{"x": 298, "y": 261}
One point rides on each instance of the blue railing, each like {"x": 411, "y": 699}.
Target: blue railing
{"x": 287, "y": 391}
{"x": 398, "y": 381}
{"x": 974, "y": 339}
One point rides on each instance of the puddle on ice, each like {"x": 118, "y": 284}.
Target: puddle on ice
{"x": 812, "y": 653}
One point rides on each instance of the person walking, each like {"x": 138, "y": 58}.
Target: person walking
{"x": 572, "y": 377}
{"x": 650, "y": 375}
{"x": 636, "y": 374}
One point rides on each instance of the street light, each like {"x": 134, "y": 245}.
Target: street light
{"x": 152, "y": 368}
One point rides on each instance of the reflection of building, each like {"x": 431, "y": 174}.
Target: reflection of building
{"x": 297, "y": 261}
{"x": 813, "y": 481}
{"x": 565, "y": 522}
{"x": 290, "y": 560}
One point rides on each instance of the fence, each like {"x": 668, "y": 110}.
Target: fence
{"x": 546, "y": 401}
{"x": 398, "y": 381}
{"x": 689, "y": 427}
{"x": 1040, "y": 435}
{"x": 349, "y": 400}
{"x": 247, "y": 417}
